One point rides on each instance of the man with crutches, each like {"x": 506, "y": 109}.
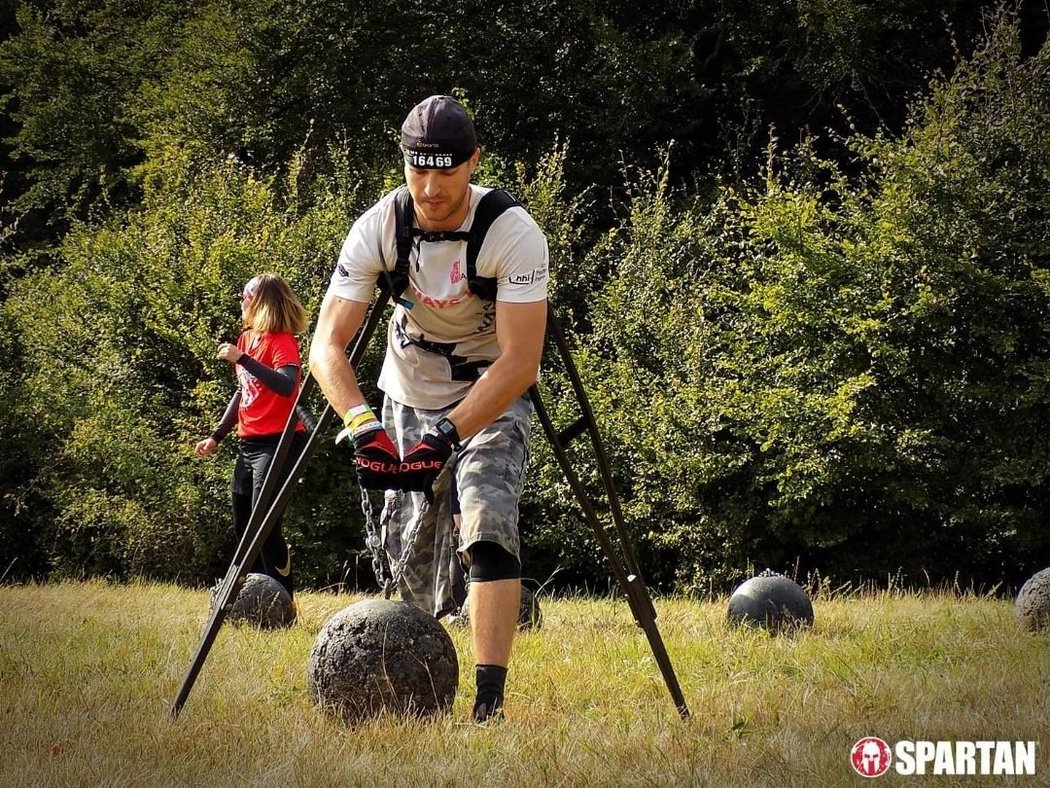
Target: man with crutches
{"x": 463, "y": 349}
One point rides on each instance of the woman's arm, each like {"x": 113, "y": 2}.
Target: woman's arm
{"x": 229, "y": 418}
{"x": 281, "y": 380}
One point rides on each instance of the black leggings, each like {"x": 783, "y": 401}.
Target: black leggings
{"x": 249, "y": 473}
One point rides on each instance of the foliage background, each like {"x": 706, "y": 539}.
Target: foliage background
{"x": 801, "y": 250}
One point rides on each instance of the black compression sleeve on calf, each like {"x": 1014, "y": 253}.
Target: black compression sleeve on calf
{"x": 489, "y": 561}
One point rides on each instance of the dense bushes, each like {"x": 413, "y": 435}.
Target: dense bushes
{"x": 120, "y": 365}
{"x": 847, "y": 375}
{"x": 840, "y": 365}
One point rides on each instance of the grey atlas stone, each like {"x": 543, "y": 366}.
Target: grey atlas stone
{"x": 262, "y": 601}
{"x": 1033, "y": 602}
{"x": 772, "y": 602}
{"x": 379, "y": 656}
{"x": 529, "y": 614}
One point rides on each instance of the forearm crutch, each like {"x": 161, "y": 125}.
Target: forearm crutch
{"x": 264, "y": 512}
{"x": 624, "y": 562}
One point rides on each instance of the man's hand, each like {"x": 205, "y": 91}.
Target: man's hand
{"x": 376, "y": 460}
{"x": 375, "y": 456}
{"x": 424, "y": 461}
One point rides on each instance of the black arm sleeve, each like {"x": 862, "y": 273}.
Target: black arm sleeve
{"x": 280, "y": 381}
{"x": 229, "y": 418}
{"x": 307, "y": 417}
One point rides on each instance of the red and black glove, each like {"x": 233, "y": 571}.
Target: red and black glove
{"x": 376, "y": 460}
{"x": 424, "y": 461}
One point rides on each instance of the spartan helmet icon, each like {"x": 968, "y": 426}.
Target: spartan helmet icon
{"x": 871, "y": 757}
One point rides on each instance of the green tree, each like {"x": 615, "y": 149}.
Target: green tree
{"x": 72, "y": 72}
{"x": 848, "y": 373}
{"x": 97, "y": 87}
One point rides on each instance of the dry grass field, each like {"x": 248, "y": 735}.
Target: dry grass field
{"x": 88, "y": 672}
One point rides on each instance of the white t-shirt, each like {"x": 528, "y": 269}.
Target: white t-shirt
{"x": 444, "y": 310}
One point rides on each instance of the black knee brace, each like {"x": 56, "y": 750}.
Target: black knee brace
{"x": 489, "y": 561}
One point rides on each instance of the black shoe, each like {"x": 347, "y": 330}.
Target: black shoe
{"x": 483, "y": 716}
{"x": 488, "y": 710}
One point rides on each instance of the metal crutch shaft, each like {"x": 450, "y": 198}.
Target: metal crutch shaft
{"x": 268, "y": 512}
{"x": 629, "y": 578}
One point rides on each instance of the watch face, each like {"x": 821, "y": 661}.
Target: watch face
{"x": 447, "y": 429}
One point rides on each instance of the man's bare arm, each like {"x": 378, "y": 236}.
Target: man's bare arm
{"x": 519, "y": 330}
{"x": 337, "y": 324}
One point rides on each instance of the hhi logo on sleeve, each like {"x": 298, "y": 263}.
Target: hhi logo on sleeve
{"x": 872, "y": 757}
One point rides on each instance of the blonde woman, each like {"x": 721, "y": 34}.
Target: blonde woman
{"x": 267, "y": 364}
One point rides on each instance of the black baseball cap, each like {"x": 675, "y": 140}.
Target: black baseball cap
{"x": 438, "y": 133}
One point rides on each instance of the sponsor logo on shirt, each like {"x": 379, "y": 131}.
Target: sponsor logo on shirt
{"x": 456, "y": 276}
{"x": 251, "y": 388}
{"x": 440, "y": 303}
{"x": 536, "y": 275}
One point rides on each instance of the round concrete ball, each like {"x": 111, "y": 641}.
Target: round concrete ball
{"x": 772, "y": 602}
{"x": 529, "y": 614}
{"x": 379, "y": 656}
{"x": 262, "y": 601}
{"x": 1033, "y": 602}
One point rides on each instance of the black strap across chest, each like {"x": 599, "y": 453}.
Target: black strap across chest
{"x": 492, "y": 204}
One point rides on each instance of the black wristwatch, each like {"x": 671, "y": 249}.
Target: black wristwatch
{"x": 446, "y": 430}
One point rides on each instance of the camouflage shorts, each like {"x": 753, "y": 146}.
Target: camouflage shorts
{"x": 489, "y": 470}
